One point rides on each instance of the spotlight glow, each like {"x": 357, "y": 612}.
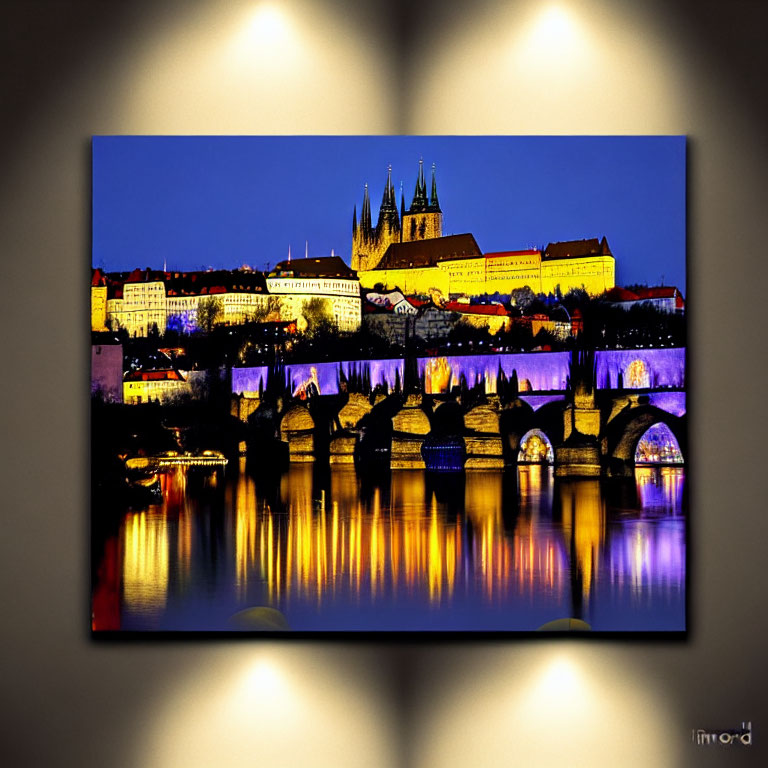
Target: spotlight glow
{"x": 569, "y": 67}
{"x": 243, "y": 68}
{"x": 267, "y": 36}
{"x": 286, "y": 706}
{"x": 268, "y": 25}
{"x": 554, "y": 46}
{"x": 559, "y": 680}
{"x": 545, "y": 706}
{"x": 263, "y": 679}
{"x": 555, "y": 29}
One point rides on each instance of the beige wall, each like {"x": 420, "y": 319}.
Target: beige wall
{"x": 92, "y": 67}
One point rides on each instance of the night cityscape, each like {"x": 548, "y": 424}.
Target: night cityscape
{"x": 461, "y": 408}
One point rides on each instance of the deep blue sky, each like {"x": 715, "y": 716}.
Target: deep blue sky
{"x": 222, "y": 202}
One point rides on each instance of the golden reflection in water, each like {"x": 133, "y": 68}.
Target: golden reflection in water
{"x": 493, "y": 554}
{"x": 246, "y": 529}
{"x": 145, "y": 560}
{"x": 539, "y": 558}
{"x": 176, "y": 501}
{"x": 325, "y": 541}
{"x": 584, "y": 527}
{"x": 339, "y": 541}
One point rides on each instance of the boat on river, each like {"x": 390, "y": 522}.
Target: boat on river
{"x": 176, "y": 459}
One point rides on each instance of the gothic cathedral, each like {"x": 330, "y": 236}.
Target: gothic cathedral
{"x": 422, "y": 221}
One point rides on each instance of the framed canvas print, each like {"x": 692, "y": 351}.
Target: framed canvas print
{"x": 388, "y": 384}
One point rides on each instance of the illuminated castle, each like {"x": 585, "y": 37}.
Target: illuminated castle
{"x": 422, "y": 221}
{"x": 409, "y": 252}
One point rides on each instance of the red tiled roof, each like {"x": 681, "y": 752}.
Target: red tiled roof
{"x": 620, "y": 294}
{"x": 500, "y": 254}
{"x": 658, "y": 292}
{"x": 161, "y": 375}
{"x": 327, "y": 266}
{"x": 476, "y": 309}
{"x": 195, "y": 283}
{"x": 428, "y": 253}
{"x": 569, "y": 249}
{"x": 145, "y": 276}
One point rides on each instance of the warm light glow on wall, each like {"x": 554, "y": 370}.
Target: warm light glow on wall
{"x": 553, "y": 41}
{"x": 269, "y": 26}
{"x": 271, "y": 705}
{"x": 576, "y": 67}
{"x": 559, "y": 683}
{"x": 237, "y": 67}
{"x": 266, "y": 35}
{"x": 545, "y": 706}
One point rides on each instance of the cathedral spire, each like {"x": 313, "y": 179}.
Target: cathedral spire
{"x": 388, "y": 218}
{"x": 354, "y": 221}
{"x": 365, "y": 216}
{"x": 387, "y": 199}
{"x": 433, "y": 202}
{"x": 420, "y": 195}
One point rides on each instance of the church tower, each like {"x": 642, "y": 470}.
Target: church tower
{"x": 424, "y": 219}
{"x": 368, "y": 243}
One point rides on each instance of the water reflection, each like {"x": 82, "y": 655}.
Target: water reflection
{"x": 145, "y": 561}
{"x": 481, "y": 550}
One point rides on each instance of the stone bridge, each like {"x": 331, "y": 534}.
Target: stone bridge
{"x": 581, "y": 434}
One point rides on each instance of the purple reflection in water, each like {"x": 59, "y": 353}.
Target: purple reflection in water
{"x": 485, "y": 554}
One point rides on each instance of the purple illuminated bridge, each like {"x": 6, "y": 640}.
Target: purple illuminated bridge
{"x": 650, "y": 369}
{"x": 636, "y": 389}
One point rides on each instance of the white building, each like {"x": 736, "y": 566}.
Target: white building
{"x": 146, "y": 298}
{"x": 297, "y": 282}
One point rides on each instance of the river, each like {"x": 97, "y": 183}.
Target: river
{"x": 475, "y": 551}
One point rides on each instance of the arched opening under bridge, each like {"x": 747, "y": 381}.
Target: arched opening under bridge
{"x": 658, "y": 445}
{"x": 535, "y": 448}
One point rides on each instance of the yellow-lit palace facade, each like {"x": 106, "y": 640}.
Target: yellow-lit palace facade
{"x": 410, "y": 253}
{"x": 500, "y": 272}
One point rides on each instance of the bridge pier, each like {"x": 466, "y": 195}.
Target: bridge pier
{"x": 297, "y": 429}
{"x": 342, "y": 448}
{"x": 344, "y": 440}
{"x": 410, "y": 425}
{"x": 578, "y": 456}
{"x": 484, "y": 446}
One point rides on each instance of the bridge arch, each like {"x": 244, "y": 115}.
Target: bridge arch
{"x": 520, "y": 419}
{"x": 625, "y": 430}
{"x": 297, "y": 429}
{"x": 483, "y": 418}
{"x": 658, "y": 445}
{"x": 447, "y": 418}
{"x": 535, "y": 448}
